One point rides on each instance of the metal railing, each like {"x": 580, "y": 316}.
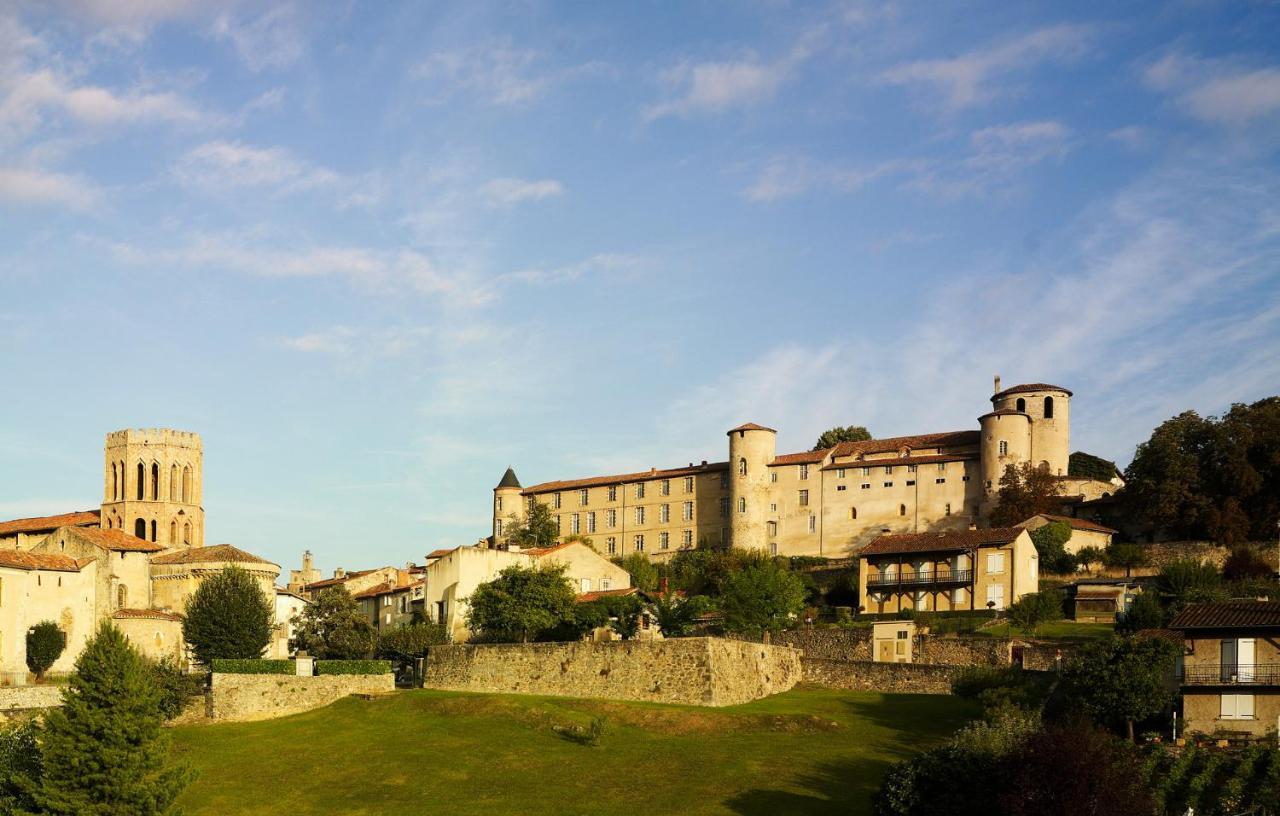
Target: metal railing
{"x": 1231, "y": 674}
{"x": 919, "y": 579}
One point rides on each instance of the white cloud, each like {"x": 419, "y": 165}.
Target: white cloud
{"x": 1131, "y": 136}
{"x": 505, "y": 192}
{"x": 1236, "y": 99}
{"x": 714, "y": 87}
{"x": 133, "y": 12}
{"x": 271, "y": 40}
{"x": 599, "y": 264}
{"x": 221, "y": 165}
{"x": 788, "y": 176}
{"x": 32, "y": 186}
{"x": 978, "y": 76}
{"x": 496, "y": 72}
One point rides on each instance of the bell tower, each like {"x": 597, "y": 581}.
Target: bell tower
{"x": 152, "y": 485}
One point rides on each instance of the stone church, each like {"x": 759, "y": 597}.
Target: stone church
{"x": 829, "y": 502}
{"x": 136, "y": 559}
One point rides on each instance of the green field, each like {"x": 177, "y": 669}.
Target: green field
{"x": 806, "y": 751}
{"x": 1054, "y": 630}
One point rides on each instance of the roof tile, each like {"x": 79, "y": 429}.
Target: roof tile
{"x": 1228, "y": 615}
{"x": 954, "y": 541}
{"x": 24, "y": 560}
{"x": 42, "y": 523}
{"x": 643, "y": 476}
{"x": 218, "y": 553}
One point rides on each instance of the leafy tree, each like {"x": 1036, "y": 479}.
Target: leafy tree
{"x": 1212, "y": 782}
{"x": 1088, "y": 556}
{"x": 1125, "y": 556}
{"x": 332, "y": 627}
{"x": 521, "y": 603}
{"x": 1121, "y": 680}
{"x": 1035, "y": 608}
{"x": 644, "y": 573}
{"x": 1187, "y": 581}
{"x": 1088, "y": 466}
{"x": 537, "y": 529}
{"x": 21, "y": 767}
{"x": 705, "y": 570}
{"x": 624, "y": 614}
{"x": 45, "y": 642}
{"x": 578, "y": 538}
{"x": 176, "y": 686}
{"x": 1050, "y": 541}
{"x": 103, "y": 751}
{"x": 1144, "y": 613}
{"x": 763, "y": 597}
{"x": 228, "y": 617}
{"x": 676, "y": 616}
{"x": 1244, "y": 563}
{"x": 1069, "y": 770}
{"x": 841, "y": 433}
{"x": 1025, "y": 491}
{"x": 408, "y": 643}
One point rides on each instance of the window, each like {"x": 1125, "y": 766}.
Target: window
{"x": 813, "y": 523}
{"x": 613, "y": 492}
{"x": 911, "y": 468}
{"x": 773, "y": 529}
{"x": 773, "y": 507}
{"x": 940, "y": 481}
{"x": 639, "y": 540}
{"x": 963, "y": 478}
{"x": 773, "y": 476}
{"x": 1021, "y": 405}
{"x": 902, "y": 509}
{"x": 664, "y": 541}
{"x": 866, "y": 471}
{"x": 1236, "y": 707}
{"x": 155, "y": 482}
{"x": 686, "y": 539}
{"x": 866, "y": 485}
{"x": 559, "y": 529}
{"x": 122, "y": 596}
{"x": 497, "y": 504}
{"x": 115, "y": 482}
{"x": 664, "y": 513}
{"x": 497, "y": 527}
{"x": 889, "y": 469}
{"x": 664, "y": 487}
{"x": 724, "y": 479}
{"x": 611, "y": 544}
{"x": 942, "y": 467}
{"x": 724, "y": 507}
{"x": 1048, "y": 407}
{"x": 142, "y": 484}
{"x": 995, "y": 563}
{"x": 888, "y": 484}
{"x": 841, "y": 487}
{"x": 574, "y": 524}
{"x": 582, "y": 497}
{"x": 611, "y": 517}
{"x": 804, "y": 498}
{"x": 186, "y": 532}
{"x": 639, "y": 515}
{"x": 853, "y": 514}
{"x": 742, "y": 467}
{"x": 173, "y": 532}
{"x": 173, "y": 483}
{"x": 584, "y": 585}
{"x": 1004, "y": 448}
{"x": 187, "y": 495}
{"x": 995, "y": 596}
{"x": 640, "y": 490}
{"x": 957, "y": 597}
{"x": 742, "y": 504}
{"x": 688, "y": 484}
{"x": 773, "y": 549}
{"x": 948, "y": 509}
{"x": 911, "y": 482}
{"x": 686, "y": 512}
{"x": 591, "y": 522}
{"x": 555, "y": 500}
{"x": 605, "y": 583}
{"x": 839, "y": 473}
{"x": 140, "y": 529}
{"x": 804, "y": 471}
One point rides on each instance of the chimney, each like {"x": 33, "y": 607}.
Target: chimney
{"x": 339, "y": 572}
{"x": 997, "y": 391}
{"x": 704, "y": 462}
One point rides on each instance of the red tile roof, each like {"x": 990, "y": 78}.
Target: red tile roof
{"x": 802, "y": 458}
{"x": 945, "y": 439}
{"x": 903, "y": 460}
{"x": 1079, "y": 523}
{"x": 328, "y": 582}
{"x": 41, "y": 523}
{"x": 23, "y": 560}
{"x": 440, "y": 553}
{"x": 587, "y": 597}
{"x": 154, "y": 614}
{"x": 751, "y": 426}
{"x": 1028, "y": 387}
{"x": 401, "y": 583}
{"x": 115, "y": 540}
{"x": 955, "y": 541}
{"x": 216, "y": 554}
{"x": 1229, "y": 615}
{"x": 624, "y": 478}
{"x": 538, "y": 552}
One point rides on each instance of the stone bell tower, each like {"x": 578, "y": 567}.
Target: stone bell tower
{"x": 153, "y": 481}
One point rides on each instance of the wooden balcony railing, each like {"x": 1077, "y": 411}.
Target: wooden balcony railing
{"x": 919, "y": 579}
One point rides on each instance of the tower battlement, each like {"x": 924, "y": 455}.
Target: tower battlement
{"x": 154, "y": 436}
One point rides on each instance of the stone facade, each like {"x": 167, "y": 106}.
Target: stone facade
{"x": 689, "y": 671}
{"x": 854, "y": 643}
{"x": 248, "y": 697}
{"x": 886, "y": 678}
{"x": 152, "y": 485}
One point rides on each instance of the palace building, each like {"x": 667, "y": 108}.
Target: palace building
{"x": 829, "y": 502}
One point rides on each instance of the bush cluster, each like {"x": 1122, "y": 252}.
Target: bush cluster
{"x": 253, "y": 666}
{"x": 324, "y": 667}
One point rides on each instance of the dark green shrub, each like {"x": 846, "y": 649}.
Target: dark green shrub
{"x": 45, "y": 643}
{"x": 177, "y": 687}
{"x": 1144, "y": 613}
{"x": 324, "y": 667}
{"x": 21, "y": 766}
{"x": 254, "y": 667}
{"x": 228, "y": 617}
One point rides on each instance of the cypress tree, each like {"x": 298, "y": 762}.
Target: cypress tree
{"x": 103, "y": 751}
{"x": 228, "y": 617}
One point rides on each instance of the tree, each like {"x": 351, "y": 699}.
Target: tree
{"x": 1144, "y": 613}
{"x": 1187, "y": 581}
{"x": 537, "y": 529}
{"x": 21, "y": 767}
{"x": 644, "y": 573}
{"x": 228, "y": 617}
{"x": 1245, "y": 563}
{"x": 176, "y": 686}
{"x": 1087, "y": 466}
{"x": 405, "y": 645}
{"x": 1074, "y": 769}
{"x": 1050, "y": 540}
{"x": 676, "y": 616}
{"x": 1035, "y": 608}
{"x": 332, "y": 627}
{"x": 521, "y": 603}
{"x": 624, "y": 614}
{"x": 45, "y": 642}
{"x": 1120, "y": 555}
{"x": 103, "y": 751}
{"x": 1088, "y": 556}
{"x": 1121, "y": 680}
{"x": 841, "y": 433}
{"x": 763, "y": 597}
{"x": 1025, "y": 491}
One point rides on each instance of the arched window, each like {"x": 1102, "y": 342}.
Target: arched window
{"x": 902, "y": 509}
{"x": 1004, "y": 448}
{"x": 1022, "y": 405}
{"x": 142, "y": 481}
{"x": 1048, "y": 407}
{"x": 173, "y": 531}
{"x": 110, "y": 522}
{"x": 742, "y": 505}
{"x": 186, "y": 533}
{"x": 140, "y": 529}
{"x": 853, "y": 514}
{"x": 742, "y": 467}
{"x": 155, "y": 482}
{"x": 153, "y": 529}
{"x": 122, "y": 596}
{"x": 115, "y": 482}
{"x": 173, "y": 483}
{"x": 186, "y": 484}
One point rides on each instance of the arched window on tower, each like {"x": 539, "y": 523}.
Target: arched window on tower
{"x": 1022, "y": 405}
{"x": 153, "y": 529}
{"x": 186, "y": 533}
{"x": 742, "y": 467}
{"x": 173, "y": 532}
{"x": 140, "y": 529}
{"x": 115, "y": 482}
{"x": 173, "y": 483}
{"x": 186, "y": 484}
{"x": 155, "y": 481}
{"x": 142, "y": 481}
{"x": 122, "y": 596}
{"x": 1048, "y": 407}
{"x": 902, "y": 509}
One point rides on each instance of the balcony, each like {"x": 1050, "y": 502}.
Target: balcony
{"x": 1232, "y": 674}
{"x": 918, "y": 580}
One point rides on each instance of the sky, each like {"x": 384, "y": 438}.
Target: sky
{"x": 376, "y": 252}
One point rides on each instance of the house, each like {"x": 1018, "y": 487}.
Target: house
{"x": 964, "y": 569}
{"x": 1084, "y": 533}
{"x": 354, "y": 582}
{"x": 1101, "y": 600}
{"x": 288, "y": 605}
{"x": 392, "y": 604}
{"x": 1229, "y": 671}
{"x": 451, "y": 578}
{"x": 36, "y": 587}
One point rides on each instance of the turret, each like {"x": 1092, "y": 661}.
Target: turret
{"x": 751, "y": 448}
{"x": 1049, "y": 409}
{"x": 506, "y": 503}
{"x": 1006, "y": 440}
{"x": 152, "y": 485}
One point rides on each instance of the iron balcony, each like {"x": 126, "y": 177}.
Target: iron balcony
{"x": 919, "y": 579}
{"x": 1231, "y": 674}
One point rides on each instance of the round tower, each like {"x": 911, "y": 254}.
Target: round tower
{"x": 506, "y": 503}
{"x": 1049, "y": 408}
{"x": 153, "y": 483}
{"x": 1006, "y": 440}
{"x": 751, "y": 448}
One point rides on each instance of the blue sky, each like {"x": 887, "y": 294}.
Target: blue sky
{"x": 376, "y": 252}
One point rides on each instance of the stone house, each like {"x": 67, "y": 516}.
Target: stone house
{"x": 354, "y": 582}
{"x": 288, "y": 604}
{"x": 1084, "y": 533}
{"x": 1229, "y": 672}
{"x": 37, "y": 587}
{"x": 941, "y": 572}
{"x": 392, "y": 604}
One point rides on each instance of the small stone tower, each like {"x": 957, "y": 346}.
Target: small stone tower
{"x": 1049, "y": 409}
{"x": 153, "y": 480}
{"x": 751, "y": 448}
{"x": 506, "y": 503}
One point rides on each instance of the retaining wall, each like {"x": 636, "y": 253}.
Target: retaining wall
{"x": 888, "y": 678}
{"x": 18, "y": 700}
{"x": 691, "y": 671}
{"x": 246, "y": 697}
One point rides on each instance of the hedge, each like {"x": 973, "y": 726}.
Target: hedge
{"x": 353, "y": 667}
{"x": 227, "y": 666}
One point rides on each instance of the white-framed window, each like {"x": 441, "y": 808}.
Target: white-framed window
{"x": 583, "y": 495}
{"x": 387, "y": 619}
{"x": 686, "y": 538}
{"x": 1235, "y": 707}
{"x": 957, "y": 597}
{"x": 498, "y": 504}
{"x": 866, "y": 485}
{"x": 497, "y": 527}
{"x": 995, "y": 596}
{"x": 688, "y": 484}
{"x": 664, "y": 513}
{"x": 804, "y": 471}
{"x": 773, "y": 529}
{"x": 640, "y": 490}
{"x": 839, "y": 473}
{"x": 813, "y": 523}
{"x": 639, "y": 543}
{"x": 664, "y": 487}
{"x": 639, "y": 515}
{"x": 584, "y": 585}
{"x": 611, "y": 517}
{"x": 611, "y": 544}
{"x": 664, "y": 541}
{"x": 613, "y": 492}
{"x": 686, "y": 512}
{"x": 742, "y": 504}
{"x": 555, "y": 500}
{"x": 942, "y": 467}
{"x": 1004, "y": 448}
{"x": 866, "y": 471}
{"x": 574, "y": 524}
{"x": 995, "y": 563}
{"x": 804, "y": 498}
{"x": 591, "y": 522}
{"x": 888, "y": 484}
{"x": 605, "y": 583}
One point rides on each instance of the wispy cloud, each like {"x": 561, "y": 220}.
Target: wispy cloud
{"x": 714, "y": 87}
{"x": 270, "y": 40}
{"x": 599, "y": 264}
{"x": 506, "y": 192}
{"x": 1217, "y": 91}
{"x": 497, "y": 72}
{"x": 980, "y": 75}
{"x": 221, "y": 166}
{"x": 32, "y": 186}
{"x": 788, "y": 176}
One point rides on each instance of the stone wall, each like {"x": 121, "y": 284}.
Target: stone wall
{"x": 838, "y": 643}
{"x": 888, "y": 678}
{"x": 854, "y": 643}
{"x": 18, "y": 700}
{"x": 245, "y": 697}
{"x": 691, "y": 671}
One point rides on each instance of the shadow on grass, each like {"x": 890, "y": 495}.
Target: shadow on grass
{"x": 835, "y": 788}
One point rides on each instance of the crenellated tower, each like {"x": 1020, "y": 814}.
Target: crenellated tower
{"x": 153, "y": 481}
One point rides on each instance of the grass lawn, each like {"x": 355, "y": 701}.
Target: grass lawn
{"x": 807, "y": 751}
{"x": 1056, "y": 630}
